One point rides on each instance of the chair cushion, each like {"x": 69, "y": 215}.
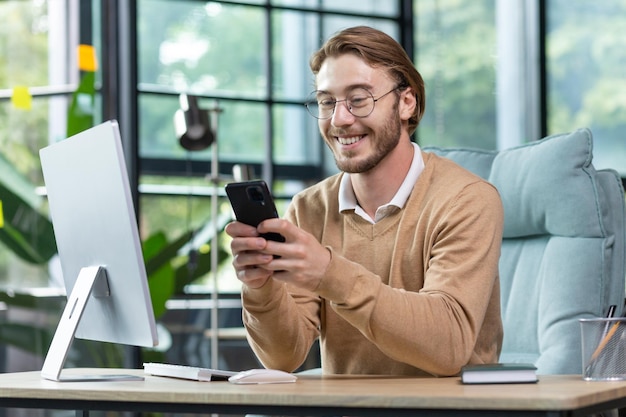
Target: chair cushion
{"x": 478, "y": 161}
{"x": 542, "y": 184}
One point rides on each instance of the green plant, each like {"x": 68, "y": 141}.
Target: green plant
{"x": 26, "y": 231}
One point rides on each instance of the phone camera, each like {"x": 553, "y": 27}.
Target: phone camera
{"x": 256, "y": 195}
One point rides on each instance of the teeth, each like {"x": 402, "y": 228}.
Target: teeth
{"x": 349, "y": 141}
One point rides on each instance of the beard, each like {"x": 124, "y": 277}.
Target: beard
{"x": 387, "y": 138}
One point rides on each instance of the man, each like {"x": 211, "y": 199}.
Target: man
{"x": 392, "y": 263}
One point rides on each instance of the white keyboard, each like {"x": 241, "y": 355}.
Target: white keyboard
{"x": 186, "y": 372}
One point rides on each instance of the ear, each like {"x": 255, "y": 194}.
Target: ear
{"x": 407, "y": 104}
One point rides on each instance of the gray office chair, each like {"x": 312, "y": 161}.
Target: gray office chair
{"x": 563, "y": 252}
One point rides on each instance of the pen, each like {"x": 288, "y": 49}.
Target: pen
{"x": 611, "y": 311}
{"x": 609, "y": 314}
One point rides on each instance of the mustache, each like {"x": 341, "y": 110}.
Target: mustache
{"x": 343, "y": 132}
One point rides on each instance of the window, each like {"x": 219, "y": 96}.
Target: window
{"x": 34, "y": 90}
{"x": 250, "y": 61}
{"x": 586, "y": 57}
{"x": 500, "y": 73}
{"x": 455, "y": 51}
{"x": 257, "y": 75}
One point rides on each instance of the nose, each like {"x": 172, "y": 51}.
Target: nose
{"x": 341, "y": 115}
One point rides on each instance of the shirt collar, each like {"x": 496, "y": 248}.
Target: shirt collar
{"x": 347, "y": 198}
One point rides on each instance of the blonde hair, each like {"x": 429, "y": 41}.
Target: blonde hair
{"x": 379, "y": 50}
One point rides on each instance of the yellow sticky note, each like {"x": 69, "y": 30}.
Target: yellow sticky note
{"x": 1, "y": 216}
{"x": 87, "y": 58}
{"x": 21, "y": 98}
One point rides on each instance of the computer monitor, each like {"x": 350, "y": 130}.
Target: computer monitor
{"x": 98, "y": 244}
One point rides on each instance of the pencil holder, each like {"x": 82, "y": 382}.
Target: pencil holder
{"x": 603, "y": 349}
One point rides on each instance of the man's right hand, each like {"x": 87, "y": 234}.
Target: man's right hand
{"x": 248, "y": 256}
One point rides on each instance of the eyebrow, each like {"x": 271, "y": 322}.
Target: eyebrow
{"x": 367, "y": 87}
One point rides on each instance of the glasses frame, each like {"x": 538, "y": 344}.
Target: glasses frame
{"x": 348, "y": 107}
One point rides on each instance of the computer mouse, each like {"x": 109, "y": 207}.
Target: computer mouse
{"x": 262, "y": 376}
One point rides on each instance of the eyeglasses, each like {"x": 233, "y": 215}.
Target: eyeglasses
{"x": 359, "y": 102}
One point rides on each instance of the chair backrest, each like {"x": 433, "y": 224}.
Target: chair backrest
{"x": 563, "y": 251}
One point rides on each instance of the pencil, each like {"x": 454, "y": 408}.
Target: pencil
{"x": 607, "y": 334}
{"x": 605, "y": 340}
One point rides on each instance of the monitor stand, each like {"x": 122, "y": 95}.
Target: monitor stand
{"x": 91, "y": 280}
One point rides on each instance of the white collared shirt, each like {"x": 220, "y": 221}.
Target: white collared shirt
{"x": 347, "y": 198}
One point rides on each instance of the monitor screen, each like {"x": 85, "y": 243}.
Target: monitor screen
{"x": 98, "y": 244}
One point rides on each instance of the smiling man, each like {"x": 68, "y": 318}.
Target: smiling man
{"x": 392, "y": 263}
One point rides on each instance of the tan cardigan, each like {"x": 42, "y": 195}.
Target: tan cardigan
{"x": 415, "y": 294}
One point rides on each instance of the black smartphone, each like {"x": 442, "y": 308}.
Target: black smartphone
{"x": 252, "y": 203}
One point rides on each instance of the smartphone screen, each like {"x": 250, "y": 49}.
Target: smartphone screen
{"x": 252, "y": 203}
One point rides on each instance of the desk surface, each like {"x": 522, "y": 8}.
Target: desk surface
{"x": 311, "y": 393}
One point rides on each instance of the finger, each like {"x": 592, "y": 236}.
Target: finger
{"x": 253, "y": 277}
{"x": 247, "y": 244}
{"x": 238, "y": 229}
{"x": 281, "y": 226}
{"x": 246, "y": 260}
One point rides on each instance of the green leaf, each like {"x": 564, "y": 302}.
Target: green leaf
{"x": 30, "y": 300}
{"x": 188, "y": 273}
{"x": 157, "y": 251}
{"x": 161, "y": 285}
{"x": 169, "y": 271}
{"x": 30, "y": 338}
{"x": 27, "y": 232}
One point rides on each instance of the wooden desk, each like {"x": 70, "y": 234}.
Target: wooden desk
{"x": 316, "y": 395}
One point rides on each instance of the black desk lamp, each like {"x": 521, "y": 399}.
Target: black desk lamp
{"x": 193, "y": 125}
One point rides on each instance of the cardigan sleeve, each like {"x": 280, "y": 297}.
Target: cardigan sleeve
{"x": 281, "y": 325}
